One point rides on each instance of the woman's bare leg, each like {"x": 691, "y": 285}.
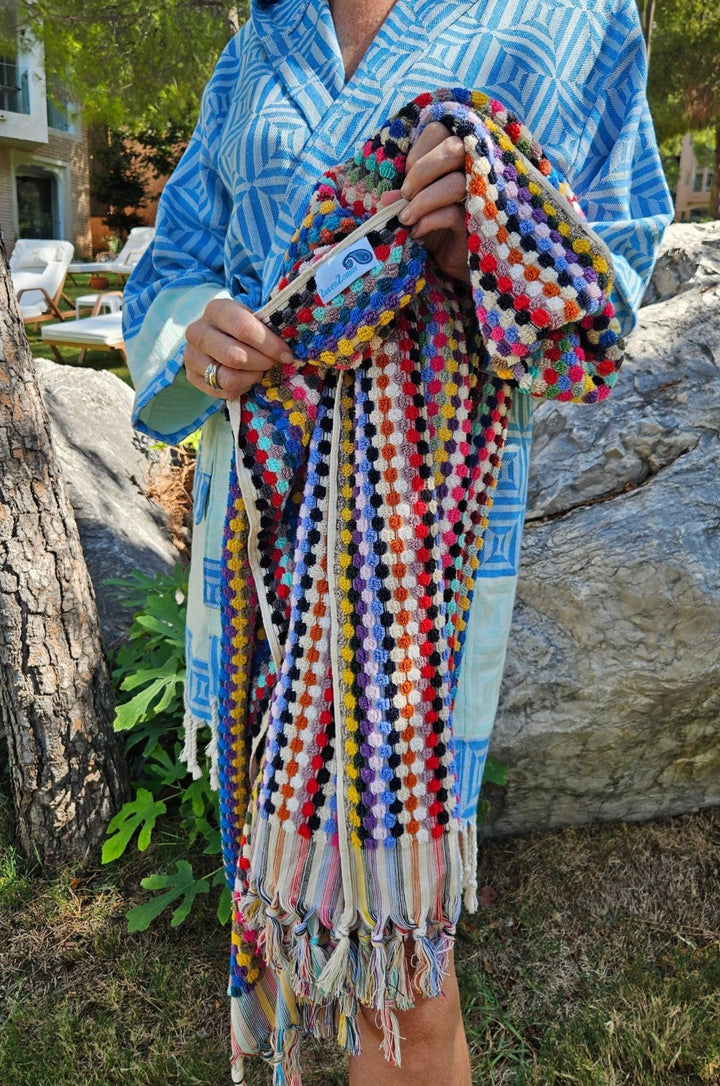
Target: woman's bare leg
{"x": 433, "y": 1046}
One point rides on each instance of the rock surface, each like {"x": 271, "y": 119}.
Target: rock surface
{"x": 611, "y": 700}
{"x": 688, "y": 260}
{"x": 107, "y": 467}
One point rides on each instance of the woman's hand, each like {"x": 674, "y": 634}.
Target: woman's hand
{"x": 240, "y": 346}
{"x": 434, "y": 187}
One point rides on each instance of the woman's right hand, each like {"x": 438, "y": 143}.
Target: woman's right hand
{"x": 240, "y": 345}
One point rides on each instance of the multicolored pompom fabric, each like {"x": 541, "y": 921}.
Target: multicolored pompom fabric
{"x": 355, "y": 526}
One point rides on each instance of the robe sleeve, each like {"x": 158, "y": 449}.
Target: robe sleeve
{"x": 617, "y": 172}
{"x": 181, "y": 272}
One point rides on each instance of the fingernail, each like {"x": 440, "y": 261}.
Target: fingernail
{"x": 405, "y": 215}
{"x": 405, "y": 192}
{"x": 287, "y": 358}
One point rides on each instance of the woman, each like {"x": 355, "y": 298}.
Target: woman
{"x": 294, "y": 93}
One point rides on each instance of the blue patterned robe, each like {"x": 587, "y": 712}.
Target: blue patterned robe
{"x": 276, "y": 113}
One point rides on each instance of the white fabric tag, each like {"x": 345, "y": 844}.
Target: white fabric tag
{"x": 342, "y": 269}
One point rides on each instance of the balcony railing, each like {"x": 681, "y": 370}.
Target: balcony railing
{"x": 14, "y": 93}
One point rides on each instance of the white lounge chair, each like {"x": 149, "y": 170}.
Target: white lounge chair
{"x": 38, "y": 269}
{"x": 103, "y": 331}
{"x": 138, "y": 240}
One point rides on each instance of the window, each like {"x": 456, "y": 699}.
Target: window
{"x": 14, "y": 95}
{"x": 698, "y": 181}
{"x": 59, "y": 117}
{"x": 709, "y": 180}
{"x": 60, "y": 114}
{"x": 37, "y": 202}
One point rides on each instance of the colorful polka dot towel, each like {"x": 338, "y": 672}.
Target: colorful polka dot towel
{"x": 356, "y": 516}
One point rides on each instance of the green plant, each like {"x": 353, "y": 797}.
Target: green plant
{"x": 149, "y": 674}
{"x": 113, "y": 242}
{"x": 494, "y": 772}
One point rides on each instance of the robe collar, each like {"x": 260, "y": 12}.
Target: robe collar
{"x": 300, "y": 41}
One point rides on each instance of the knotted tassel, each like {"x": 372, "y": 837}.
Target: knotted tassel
{"x": 398, "y": 983}
{"x": 308, "y": 959}
{"x": 302, "y": 963}
{"x": 377, "y": 973}
{"x": 286, "y": 1072}
{"x": 335, "y": 974}
{"x": 348, "y": 1027}
{"x": 188, "y": 754}
{"x": 272, "y": 939}
{"x": 391, "y": 1035}
{"x": 319, "y": 1020}
{"x": 318, "y": 958}
{"x": 430, "y": 961}
{"x": 360, "y": 980}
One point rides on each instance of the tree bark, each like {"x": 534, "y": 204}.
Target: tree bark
{"x": 715, "y": 190}
{"x": 56, "y": 698}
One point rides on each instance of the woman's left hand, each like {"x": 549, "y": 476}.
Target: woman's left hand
{"x": 434, "y": 187}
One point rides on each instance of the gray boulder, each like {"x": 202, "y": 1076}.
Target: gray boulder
{"x": 688, "y": 260}
{"x": 107, "y": 467}
{"x": 611, "y": 700}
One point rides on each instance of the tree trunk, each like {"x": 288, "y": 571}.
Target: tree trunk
{"x": 715, "y": 190}
{"x": 56, "y": 697}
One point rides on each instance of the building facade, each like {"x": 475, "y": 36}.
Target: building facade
{"x": 692, "y": 196}
{"x": 44, "y": 176}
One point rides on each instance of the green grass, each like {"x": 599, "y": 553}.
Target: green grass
{"x": 94, "y": 359}
{"x": 596, "y": 962}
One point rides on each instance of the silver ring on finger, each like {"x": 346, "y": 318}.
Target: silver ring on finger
{"x": 210, "y": 375}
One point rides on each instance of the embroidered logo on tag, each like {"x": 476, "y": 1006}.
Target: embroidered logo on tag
{"x": 342, "y": 270}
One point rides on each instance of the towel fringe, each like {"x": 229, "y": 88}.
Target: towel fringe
{"x": 399, "y": 981}
{"x": 391, "y": 1035}
{"x": 372, "y": 973}
{"x": 192, "y": 725}
{"x": 212, "y": 750}
{"x": 430, "y": 961}
{"x": 286, "y": 1065}
{"x": 303, "y": 979}
{"x": 308, "y": 960}
{"x": 348, "y": 1031}
{"x": 318, "y": 1019}
{"x": 272, "y": 940}
{"x": 336, "y": 974}
{"x": 188, "y": 755}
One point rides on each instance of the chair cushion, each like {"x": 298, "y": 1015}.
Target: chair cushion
{"x": 32, "y": 254}
{"x": 101, "y": 331}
